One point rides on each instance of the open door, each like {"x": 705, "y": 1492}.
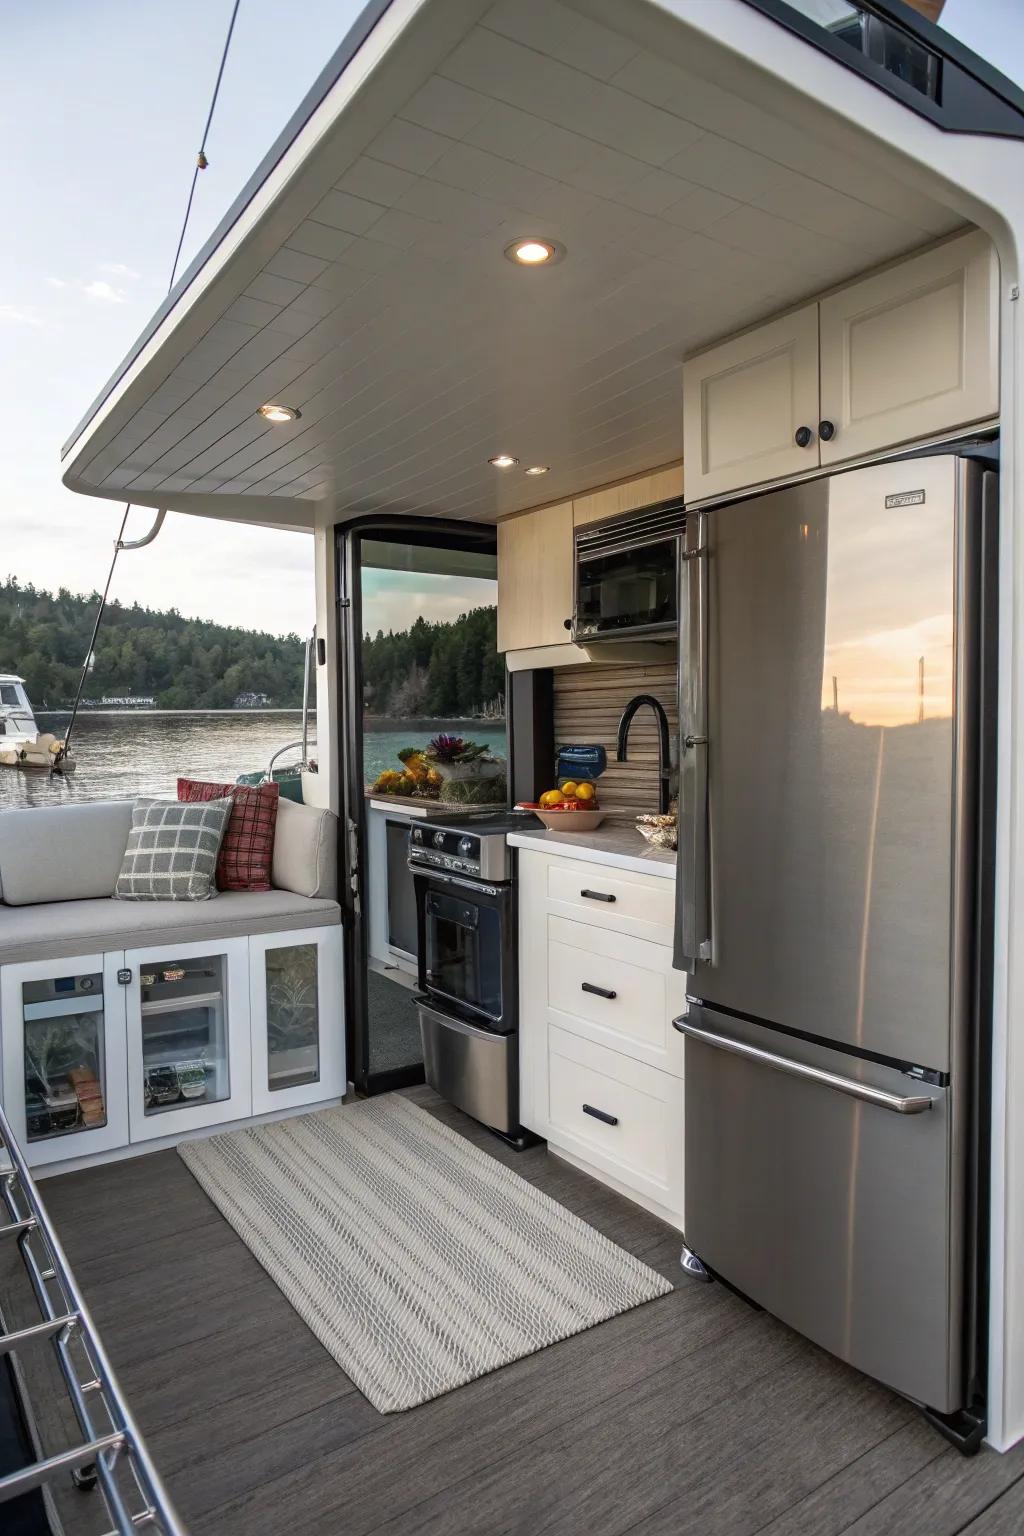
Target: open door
{"x": 418, "y": 656}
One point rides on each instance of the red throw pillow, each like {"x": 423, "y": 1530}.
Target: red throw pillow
{"x": 247, "y": 848}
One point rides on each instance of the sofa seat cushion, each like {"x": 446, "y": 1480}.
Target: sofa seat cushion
{"x": 53, "y": 929}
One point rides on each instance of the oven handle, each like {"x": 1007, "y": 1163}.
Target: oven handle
{"x": 476, "y": 886}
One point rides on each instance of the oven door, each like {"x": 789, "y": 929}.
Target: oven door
{"x": 465, "y": 934}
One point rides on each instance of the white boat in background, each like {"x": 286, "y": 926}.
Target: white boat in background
{"x": 17, "y": 722}
{"x": 22, "y": 745}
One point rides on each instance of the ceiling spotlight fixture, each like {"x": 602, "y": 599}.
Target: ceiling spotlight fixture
{"x": 503, "y": 461}
{"x": 538, "y": 469}
{"x": 274, "y": 412}
{"x": 532, "y": 252}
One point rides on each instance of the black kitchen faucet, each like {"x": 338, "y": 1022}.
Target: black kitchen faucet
{"x": 664, "y": 751}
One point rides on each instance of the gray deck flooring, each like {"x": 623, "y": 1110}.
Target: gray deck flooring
{"x": 691, "y": 1414}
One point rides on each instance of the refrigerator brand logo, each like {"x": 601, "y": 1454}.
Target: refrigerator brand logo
{"x": 905, "y": 499}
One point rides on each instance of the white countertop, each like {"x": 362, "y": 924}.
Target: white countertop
{"x": 622, "y": 847}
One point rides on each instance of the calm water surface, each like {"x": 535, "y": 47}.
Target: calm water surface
{"x": 121, "y": 755}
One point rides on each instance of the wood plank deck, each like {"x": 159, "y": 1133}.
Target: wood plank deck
{"x": 693, "y": 1413}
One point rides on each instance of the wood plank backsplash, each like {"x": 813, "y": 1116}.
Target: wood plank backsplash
{"x": 589, "y": 701}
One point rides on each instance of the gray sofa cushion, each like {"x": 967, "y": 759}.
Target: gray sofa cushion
{"x": 62, "y": 852}
{"x": 55, "y": 929}
{"x": 305, "y": 850}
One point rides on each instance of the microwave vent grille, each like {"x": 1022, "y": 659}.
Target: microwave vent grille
{"x": 647, "y": 527}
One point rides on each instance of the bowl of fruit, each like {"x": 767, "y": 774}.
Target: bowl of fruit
{"x": 572, "y": 807}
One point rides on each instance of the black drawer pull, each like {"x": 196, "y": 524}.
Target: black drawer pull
{"x": 597, "y": 895}
{"x": 588, "y": 986}
{"x": 599, "y": 1114}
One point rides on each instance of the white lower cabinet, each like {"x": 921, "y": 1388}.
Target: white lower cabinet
{"x": 601, "y": 1068}
{"x": 188, "y": 1037}
{"x": 65, "y": 1080}
{"x": 298, "y": 1033}
{"x": 98, "y": 1052}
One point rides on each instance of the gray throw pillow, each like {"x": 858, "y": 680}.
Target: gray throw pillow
{"x": 172, "y": 850}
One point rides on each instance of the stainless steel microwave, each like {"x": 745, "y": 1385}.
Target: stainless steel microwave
{"x": 626, "y": 576}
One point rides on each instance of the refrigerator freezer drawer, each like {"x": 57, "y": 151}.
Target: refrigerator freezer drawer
{"x": 837, "y": 1212}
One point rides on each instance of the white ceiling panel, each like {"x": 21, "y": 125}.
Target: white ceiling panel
{"x": 383, "y": 308}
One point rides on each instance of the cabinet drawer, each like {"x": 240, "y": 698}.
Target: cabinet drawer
{"x": 625, "y": 903}
{"x": 617, "y": 990}
{"x": 623, "y": 1115}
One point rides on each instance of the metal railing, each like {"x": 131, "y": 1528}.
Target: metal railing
{"x": 110, "y": 1452}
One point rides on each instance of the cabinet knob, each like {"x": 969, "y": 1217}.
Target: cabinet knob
{"x": 803, "y": 437}
{"x": 567, "y": 623}
{"x": 826, "y": 430}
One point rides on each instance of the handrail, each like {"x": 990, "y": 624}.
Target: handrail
{"x": 66, "y": 1319}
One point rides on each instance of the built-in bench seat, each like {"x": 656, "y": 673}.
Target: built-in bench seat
{"x": 59, "y": 865}
{"x": 52, "y": 929}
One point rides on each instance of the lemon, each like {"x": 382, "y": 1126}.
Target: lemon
{"x": 569, "y": 789}
{"x": 550, "y": 798}
{"x": 585, "y": 792}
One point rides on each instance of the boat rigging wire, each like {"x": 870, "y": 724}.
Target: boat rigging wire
{"x": 61, "y": 758}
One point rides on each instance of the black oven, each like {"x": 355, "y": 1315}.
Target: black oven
{"x": 465, "y": 933}
{"x": 626, "y": 576}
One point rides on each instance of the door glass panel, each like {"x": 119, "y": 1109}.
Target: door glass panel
{"x": 463, "y": 940}
{"x": 65, "y": 1077}
{"x": 184, "y": 1033}
{"x": 293, "y": 1019}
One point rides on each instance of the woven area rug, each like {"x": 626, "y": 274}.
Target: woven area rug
{"x": 418, "y": 1261}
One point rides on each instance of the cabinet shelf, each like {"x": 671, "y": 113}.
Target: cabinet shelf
{"x": 183, "y": 1003}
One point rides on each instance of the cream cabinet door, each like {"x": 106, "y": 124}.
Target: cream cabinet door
{"x": 535, "y": 557}
{"x": 911, "y": 352}
{"x": 750, "y": 407}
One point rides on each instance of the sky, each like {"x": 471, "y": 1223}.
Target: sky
{"x": 102, "y": 104}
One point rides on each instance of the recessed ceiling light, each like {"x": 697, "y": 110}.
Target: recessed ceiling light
{"x": 274, "y": 412}
{"x": 538, "y": 469}
{"x": 532, "y": 252}
{"x": 503, "y": 461}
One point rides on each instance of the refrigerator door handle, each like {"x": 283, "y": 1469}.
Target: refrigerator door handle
{"x": 914, "y": 1104}
{"x": 693, "y": 930}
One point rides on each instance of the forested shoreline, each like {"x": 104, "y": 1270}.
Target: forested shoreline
{"x": 443, "y": 669}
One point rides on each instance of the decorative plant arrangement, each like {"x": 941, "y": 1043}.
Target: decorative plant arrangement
{"x": 454, "y": 758}
{"x": 449, "y": 768}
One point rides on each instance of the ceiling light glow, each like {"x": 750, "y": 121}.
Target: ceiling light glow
{"x": 276, "y": 413}
{"x": 530, "y": 251}
{"x": 538, "y": 469}
{"x": 503, "y": 461}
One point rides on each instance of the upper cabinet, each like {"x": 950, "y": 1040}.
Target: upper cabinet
{"x": 628, "y": 496}
{"x": 535, "y": 578}
{"x": 908, "y": 353}
{"x": 750, "y": 407}
{"x": 911, "y": 352}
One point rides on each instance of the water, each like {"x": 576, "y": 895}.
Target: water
{"x": 121, "y": 755}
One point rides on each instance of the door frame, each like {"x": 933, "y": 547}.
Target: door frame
{"x": 348, "y": 540}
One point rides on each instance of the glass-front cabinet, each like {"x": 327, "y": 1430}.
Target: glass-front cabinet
{"x": 64, "y": 1072}
{"x": 298, "y": 1036}
{"x": 188, "y": 1037}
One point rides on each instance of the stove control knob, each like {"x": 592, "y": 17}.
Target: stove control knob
{"x": 417, "y": 834}
{"x": 438, "y": 839}
{"x": 466, "y": 847}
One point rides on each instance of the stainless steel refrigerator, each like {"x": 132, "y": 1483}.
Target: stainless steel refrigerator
{"x": 833, "y": 674}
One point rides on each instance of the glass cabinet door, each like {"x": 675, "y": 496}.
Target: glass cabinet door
{"x": 298, "y": 1047}
{"x": 293, "y": 1017}
{"x": 64, "y": 1054}
{"x": 188, "y": 1030}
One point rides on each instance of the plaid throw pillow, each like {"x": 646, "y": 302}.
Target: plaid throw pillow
{"x": 243, "y": 863}
{"x": 172, "y": 851}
